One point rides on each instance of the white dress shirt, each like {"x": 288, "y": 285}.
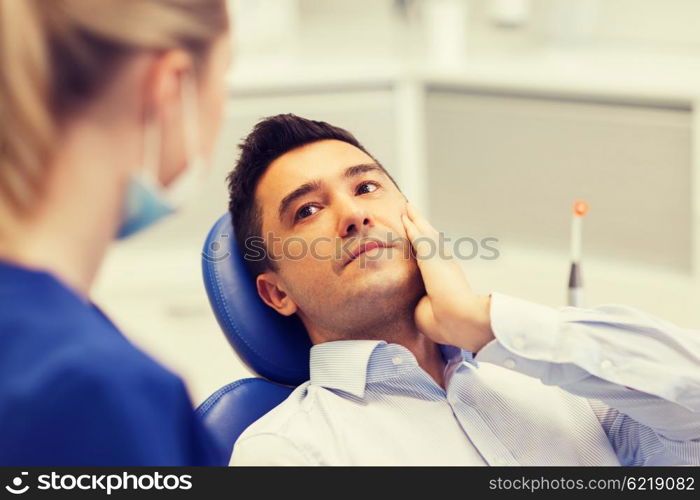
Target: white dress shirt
{"x": 602, "y": 386}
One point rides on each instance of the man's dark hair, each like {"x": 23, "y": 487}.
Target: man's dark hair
{"x": 271, "y": 138}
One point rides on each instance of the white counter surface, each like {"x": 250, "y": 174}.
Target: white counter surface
{"x": 658, "y": 77}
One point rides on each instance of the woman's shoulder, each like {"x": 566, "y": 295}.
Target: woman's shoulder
{"x": 90, "y": 400}
{"x": 77, "y": 351}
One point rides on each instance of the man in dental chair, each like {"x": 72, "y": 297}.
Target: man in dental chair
{"x": 408, "y": 365}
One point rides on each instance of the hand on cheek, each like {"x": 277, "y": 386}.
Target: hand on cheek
{"x": 450, "y": 312}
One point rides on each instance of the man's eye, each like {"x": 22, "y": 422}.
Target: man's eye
{"x": 304, "y": 212}
{"x": 370, "y": 185}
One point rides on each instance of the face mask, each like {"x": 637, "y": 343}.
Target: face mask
{"x": 146, "y": 200}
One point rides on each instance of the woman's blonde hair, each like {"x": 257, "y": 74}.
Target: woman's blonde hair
{"x": 55, "y": 55}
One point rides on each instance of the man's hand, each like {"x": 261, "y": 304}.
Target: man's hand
{"x": 449, "y": 313}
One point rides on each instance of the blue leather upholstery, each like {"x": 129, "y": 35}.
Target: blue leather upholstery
{"x": 271, "y": 345}
{"x": 231, "y": 409}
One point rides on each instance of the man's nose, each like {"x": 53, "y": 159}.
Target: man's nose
{"x": 356, "y": 221}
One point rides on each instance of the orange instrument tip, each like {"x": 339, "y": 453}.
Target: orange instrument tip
{"x": 580, "y": 208}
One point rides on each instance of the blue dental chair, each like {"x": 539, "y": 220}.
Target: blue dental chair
{"x": 271, "y": 345}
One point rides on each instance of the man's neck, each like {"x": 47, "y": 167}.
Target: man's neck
{"x": 428, "y": 355}
{"x": 400, "y": 331}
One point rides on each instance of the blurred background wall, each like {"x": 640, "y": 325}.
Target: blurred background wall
{"x": 494, "y": 116}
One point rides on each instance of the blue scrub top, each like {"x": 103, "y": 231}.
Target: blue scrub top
{"x": 74, "y": 391}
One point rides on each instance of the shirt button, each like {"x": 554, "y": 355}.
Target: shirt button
{"x": 605, "y": 364}
{"x": 519, "y": 342}
{"x": 509, "y": 363}
{"x": 397, "y": 360}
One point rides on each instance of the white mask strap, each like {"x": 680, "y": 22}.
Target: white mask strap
{"x": 151, "y": 151}
{"x": 188, "y": 182}
{"x": 190, "y": 117}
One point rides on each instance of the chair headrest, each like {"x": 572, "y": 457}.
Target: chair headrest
{"x": 275, "y": 347}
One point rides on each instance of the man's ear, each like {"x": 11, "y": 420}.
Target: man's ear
{"x": 271, "y": 293}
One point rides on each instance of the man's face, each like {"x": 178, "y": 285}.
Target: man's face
{"x": 324, "y": 207}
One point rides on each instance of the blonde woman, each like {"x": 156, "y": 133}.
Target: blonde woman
{"x": 108, "y": 109}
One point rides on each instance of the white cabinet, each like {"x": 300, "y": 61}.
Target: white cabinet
{"x": 368, "y": 113}
{"x": 510, "y": 167}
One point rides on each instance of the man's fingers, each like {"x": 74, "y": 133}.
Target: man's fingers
{"x": 411, "y": 230}
{"x": 421, "y": 222}
{"x": 434, "y": 269}
{"x": 423, "y": 245}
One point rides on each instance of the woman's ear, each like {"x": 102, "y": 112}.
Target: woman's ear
{"x": 273, "y": 295}
{"x": 163, "y": 81}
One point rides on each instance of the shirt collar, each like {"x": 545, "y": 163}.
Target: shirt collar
{"x": 348, "y": 365}
{"x": 342, "y": 364}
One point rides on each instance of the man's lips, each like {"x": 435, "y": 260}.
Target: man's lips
{"x": 362, "y": 247}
